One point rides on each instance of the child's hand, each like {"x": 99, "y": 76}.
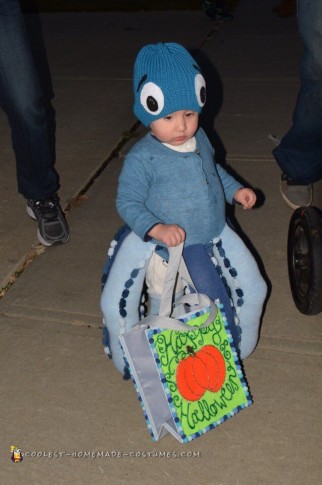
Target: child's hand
{"x": 169, "y": 234}
{"x": 245, "y": 197}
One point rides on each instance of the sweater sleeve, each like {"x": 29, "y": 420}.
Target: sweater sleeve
{"x": 230, "y": 185}
{"x": 133, "y": 190}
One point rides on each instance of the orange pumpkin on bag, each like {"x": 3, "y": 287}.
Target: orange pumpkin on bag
{"x": 200, "y": 371}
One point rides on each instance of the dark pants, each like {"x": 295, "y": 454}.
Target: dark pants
{"x": 299, "y": 154}
{"x": 22, "y": 100}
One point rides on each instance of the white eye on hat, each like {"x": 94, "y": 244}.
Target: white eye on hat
{"x": 200, "y": 87}
{"x": 152, "y": 98}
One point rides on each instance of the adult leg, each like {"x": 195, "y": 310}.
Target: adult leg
{"x": 300, "y": 152}
{"x": 21, "y": 99}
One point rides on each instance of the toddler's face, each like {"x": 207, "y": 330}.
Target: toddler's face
{"x": 176, "y": 128}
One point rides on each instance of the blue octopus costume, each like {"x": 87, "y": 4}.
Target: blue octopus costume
{"x": 159, "y": 184}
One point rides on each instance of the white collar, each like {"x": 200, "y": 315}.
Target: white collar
{"x": 188, "y": 146}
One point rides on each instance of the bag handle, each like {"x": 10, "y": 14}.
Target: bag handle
{"x": 176, "y": 265}
{"x": 170, "y": 323}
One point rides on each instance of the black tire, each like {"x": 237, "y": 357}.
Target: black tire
{"x": 304, "y": 248}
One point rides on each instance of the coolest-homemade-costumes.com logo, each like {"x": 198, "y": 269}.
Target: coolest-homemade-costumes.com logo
{"x": 16, "y": 454}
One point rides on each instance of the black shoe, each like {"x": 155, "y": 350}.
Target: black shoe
{"x": 209, "y": 7}
{"x": 223, "y": 14}
{"x": 216, "y": 13}
{"x": 52, "y": 225}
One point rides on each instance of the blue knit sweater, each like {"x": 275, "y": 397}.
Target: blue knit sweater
{"x": 158, "y": 184}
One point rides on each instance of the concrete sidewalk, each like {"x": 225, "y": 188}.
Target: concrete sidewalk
{"x": 60, "y": 392}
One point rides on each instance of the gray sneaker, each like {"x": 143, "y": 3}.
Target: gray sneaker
{"x": 52, "y": 225}
{"x": 295, "y": 195}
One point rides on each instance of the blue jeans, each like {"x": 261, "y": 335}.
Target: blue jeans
{"x": 299, "y": 154}
{"x": 21, "y": 98}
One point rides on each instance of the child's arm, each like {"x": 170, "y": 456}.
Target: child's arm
{"x": 169, "y": 234}
{"x": 245, "y": 197}
{"x": 133, "y": 190}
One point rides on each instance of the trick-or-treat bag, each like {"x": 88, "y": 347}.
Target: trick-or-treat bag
{"x": 185, "y": 368}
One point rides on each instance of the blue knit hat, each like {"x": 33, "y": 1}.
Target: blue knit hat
{"x": 166, "y": 79}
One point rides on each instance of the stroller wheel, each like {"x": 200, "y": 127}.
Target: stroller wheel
{"x": 304, "y": 249}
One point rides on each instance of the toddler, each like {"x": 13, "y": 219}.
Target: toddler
{"x": 171, "y": 190}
